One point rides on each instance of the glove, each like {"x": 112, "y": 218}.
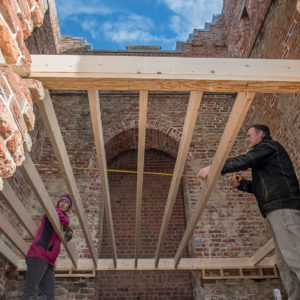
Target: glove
{"x": 68, "y": 233}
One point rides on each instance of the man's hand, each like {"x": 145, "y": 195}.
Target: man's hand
{"x": 234, "y": 182}
{"x": 203, "y": 172}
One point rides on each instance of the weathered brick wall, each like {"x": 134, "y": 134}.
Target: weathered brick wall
{"x": 280, "y": 39}
{"x": 46, "y": 39}
{"x": 17, "y": 20}
{"x": 156, "y": 284}
{"x": 16, "y": 120}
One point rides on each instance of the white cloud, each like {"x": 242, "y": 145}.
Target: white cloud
{"x": 191, "y": 14}
{"x": 134, "y": 28}
{"x": 92, "y": 26}
{"x": 112, "y": 21}
{"x": 69, "y": 8}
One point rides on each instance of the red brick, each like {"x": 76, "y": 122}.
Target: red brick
{"x": 25, "y": 18}
{"x": 8, "y": 45}
{"x": 7, "y": 165}
{"x": 15, "y": 147}
{"x": 29, "y": 118}
{"x": 8, "y": 10}
{"x": 4, "y": 85}
{"x": 18, "y": 117}
{"x": 7, "y": 123}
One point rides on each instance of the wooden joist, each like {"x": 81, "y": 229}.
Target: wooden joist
{"x": 101, "y": 159}
{"x": 212, "y": 268}
{"x": 143, "y": 102}
{"x": 52, "y": 127}
{"x": 8, "y": 254}
{"x": 32, "y": 177}
{"x": 11, "y": 233}
{"x": 188, "y": 129}
{"x": 262, "y": 252}
{"x": 235, "y": 121}
{"x": 18, "y": 208}
{"x": 85, "y": 72}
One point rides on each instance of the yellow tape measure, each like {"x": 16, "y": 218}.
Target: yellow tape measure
{"x": 237, "y": 177}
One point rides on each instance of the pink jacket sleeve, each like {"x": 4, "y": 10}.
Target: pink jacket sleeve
{"x": 64, "y": 220}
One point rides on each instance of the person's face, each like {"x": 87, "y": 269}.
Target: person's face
{"x": 254, "y": 137}
{"x": 63, "y": 205}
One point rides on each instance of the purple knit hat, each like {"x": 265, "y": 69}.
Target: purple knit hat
{"x": 66, "y": 197}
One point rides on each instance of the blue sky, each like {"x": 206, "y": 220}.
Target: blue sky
{"x": 114, "y": 24}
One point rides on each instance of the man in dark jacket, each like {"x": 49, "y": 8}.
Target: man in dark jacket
{"x": 276, "y": 188}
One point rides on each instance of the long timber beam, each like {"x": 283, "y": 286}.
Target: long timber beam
{"x": 12, "y": 234}
{"x": 32, "y": 177}
{"x": 52, "y": 127}
{"x": 188, "y": 129}
{"x": 95, "y": 112}
{"x": 234, "y": 123}
{"x": 18, "y": 208}
{"x": 143, "y": 103}
{"x": 212, "y": 268}
{"x": 84, "y": 72}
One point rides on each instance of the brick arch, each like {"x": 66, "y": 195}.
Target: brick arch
{"x": 159, "y": 135}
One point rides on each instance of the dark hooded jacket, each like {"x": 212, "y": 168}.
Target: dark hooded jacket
{"x": 274, "y": 182}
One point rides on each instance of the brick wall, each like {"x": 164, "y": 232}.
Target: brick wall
{"x": 143, "y": 285}
{"x": 17, "y": 20}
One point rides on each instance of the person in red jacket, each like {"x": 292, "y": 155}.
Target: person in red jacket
{"x": 43, "y": 253}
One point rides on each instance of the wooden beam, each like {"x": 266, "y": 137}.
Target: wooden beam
{"x": 235, "y": 121}
{"x": 11, "y": 233}
{"x": 148, "y": 264}
{"x": 8, "y": 254}
{"x": 18, "y": 208}
{"x": 262, "y": 252}
{"x": 101, "y": 158}
{"x": 84, "y": 72}
{"x": 52, "y": 127}
{"x": 32, "y": 177}
{"x": 188, "y": 129}
{"x": 140, "y": 170}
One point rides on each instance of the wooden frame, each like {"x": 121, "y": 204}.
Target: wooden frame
{"x": 51, "y": 124}
{"x": 143, "y": 102}
{"x": 101, "y": 158}
{"x": 86, "y": 72}
{"x": 143, "y": 74}
{"x": 31, "y": 175}
{"x": 19, "y": 209}
{"x": 188, "y": 129}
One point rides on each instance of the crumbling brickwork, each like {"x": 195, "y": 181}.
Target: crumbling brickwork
{"x": 17, "y": 20}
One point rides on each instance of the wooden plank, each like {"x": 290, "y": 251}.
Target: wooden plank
{"x": 52, "y": 127}
{"x": 7, "y": 253}
{"x": 101, "y": 159}
{"x": 234, "y": 123}
{"x": 32, "y": 177}
{"x": 262, "y": 252}
{"x": 148, "y": 264}
{"x": 84, "y": 72}
{"x": 140, "y": 169}
{"x": 18, "y": 208}
{"x": 188, "y": 129}
{"x": 11, "y": 233}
